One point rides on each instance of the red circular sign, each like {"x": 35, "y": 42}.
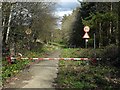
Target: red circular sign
{"x": 86, "y": 28}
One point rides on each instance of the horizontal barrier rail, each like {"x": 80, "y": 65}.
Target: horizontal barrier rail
{"x": 12, "y": 59}
{"x": 86, "y": 59}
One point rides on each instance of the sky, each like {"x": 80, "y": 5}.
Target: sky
{"x": 65, "y": 7}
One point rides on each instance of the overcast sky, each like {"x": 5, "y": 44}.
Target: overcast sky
{"x": 65, "y": 7}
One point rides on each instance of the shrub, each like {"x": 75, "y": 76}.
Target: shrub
{"x": 90, "y": 53}
{"x": 110, "y": 51}
{"x": 110, "y": 54}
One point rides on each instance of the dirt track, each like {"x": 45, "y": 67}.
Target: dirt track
{"x": 39, "y": 75}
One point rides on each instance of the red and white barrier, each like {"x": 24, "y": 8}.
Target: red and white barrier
{"x": 76, "y": 59}
{"x": 35, "y": 60}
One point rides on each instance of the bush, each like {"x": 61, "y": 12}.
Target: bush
{"x": 110, "y": 54}
{"x": 13, "y": 69}
{"x": 90, "y": 53}
{"x": 110, "y": 51}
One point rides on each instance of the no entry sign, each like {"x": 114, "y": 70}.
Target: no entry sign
{"x": 86, "y": 36}
{"x": 86, "y": 29}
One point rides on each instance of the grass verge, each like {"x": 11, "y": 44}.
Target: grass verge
{"x": 10, "y": 70}
{"x": 77, "y": 74}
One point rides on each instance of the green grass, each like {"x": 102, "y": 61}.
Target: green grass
{"x": 70, "y": 52}
{"x": 9, "y": 70}
{"x": 57, "y": 44}
{"x": 81, "y": 53}
{"x": 77, "y": 74}
{"x": 41, "y": 52}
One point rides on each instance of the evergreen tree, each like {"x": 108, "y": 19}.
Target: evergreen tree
{"x": 77, "y": 31}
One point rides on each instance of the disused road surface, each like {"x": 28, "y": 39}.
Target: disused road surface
{"x": 42, "y": 74}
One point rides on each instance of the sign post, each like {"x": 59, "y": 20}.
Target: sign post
{"x": 86, "y": 41}
{"x": 86, "y": 36}
{"x": 28, "y": 32}
{"x": 94, "y": 46}
{"x": 94, "y": 41}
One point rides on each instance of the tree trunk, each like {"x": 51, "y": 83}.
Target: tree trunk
{"x": 116, "y": 33}
{"x": 119, "y": 36}
{"x": 1, "y": 29}
{"x": 4, "y": 32}
{"x": 110, "y": 30}
{"x": 9, "y": 21}
{"x": 100, "y": 35}
{"x": 119, "y": 30}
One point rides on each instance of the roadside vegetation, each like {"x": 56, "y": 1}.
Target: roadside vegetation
{"x": 26, "y": 29}
{"x": 77, "y": 74}
{"x": 102, "y": 74}
{"x": 11, "y": 70}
